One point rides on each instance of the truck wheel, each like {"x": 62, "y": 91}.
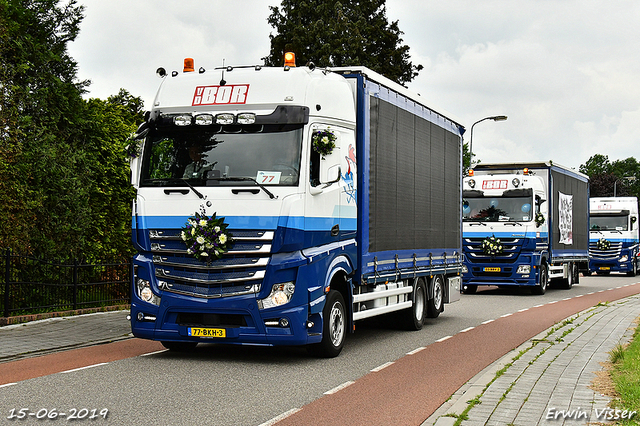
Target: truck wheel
{"x": 434, "y": 305}
{"x": 634, "y": 268}
{"x": 414, "y": 316}
{"x": 568, "y": 282}
{"x": 180, "y": 346}
{"x": 334, "y": 327}
{"x": 543, "y": 280}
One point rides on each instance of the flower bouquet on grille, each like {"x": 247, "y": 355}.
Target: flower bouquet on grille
{"x": 539, "y": 219}
{"x": 206, "y": 238}
{"x": 603, "y": 244}
{"x": 492, "y": 246}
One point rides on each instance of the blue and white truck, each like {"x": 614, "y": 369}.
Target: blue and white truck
{"x": 281, "y": 205}
{"x": 613, "y": 235}
{"x": 524, "y": 224}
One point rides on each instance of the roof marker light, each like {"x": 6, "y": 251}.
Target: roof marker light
{"x": 224, "y": 118}
{"x": 289, "y": 59}
{"x": 204, "y": 119}
{"x": 246, "y": 118}
{"x": 188, "y": 65}
{"x": 182, "y": 120}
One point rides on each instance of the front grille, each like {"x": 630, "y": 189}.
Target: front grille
{"x": 240, "y": 270}
{"x": 475, "y": 254}
{"x": 612, "y": 253}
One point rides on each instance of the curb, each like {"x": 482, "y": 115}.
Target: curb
{"x": 20, "y": 319}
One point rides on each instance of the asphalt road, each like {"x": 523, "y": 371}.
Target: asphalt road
{"x": 228, "y": 385}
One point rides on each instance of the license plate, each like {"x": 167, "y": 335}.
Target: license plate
{"x": 491, "y": 269}
{"x": 605, "y": 268}
{"x": 207, "y": 332}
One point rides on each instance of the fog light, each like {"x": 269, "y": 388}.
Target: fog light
{"x": 284, "y": 322}
{"x": 465, "y": 269}
{"x": 140, "y": 316}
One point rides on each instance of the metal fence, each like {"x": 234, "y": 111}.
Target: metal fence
{"x": 31, "y": 285}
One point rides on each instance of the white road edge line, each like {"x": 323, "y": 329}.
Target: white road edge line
{"x": 381, "y": 367}
{"x": 156, "y": 352}
{"x": 340, "y": 387}
{"x": 505, "y": 315}
{"x": 487, "y": 321}
{"x": 522, "y": 310}
{"x": 83, "y": 368}
{"x": 467, "y": 329}
{"x": 7, "y": 384}
{"x": 280, "y": 417}
{"x": 415, "y": 351}
{"x": 443, "y": 339}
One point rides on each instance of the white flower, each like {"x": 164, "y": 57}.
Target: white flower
{"x": 223, "y": 238}
{"x": 192, "y": 222}
{"x": 200, "y": 240}
{"x": 203, "y": 248}
{"x": 325, "y": 139}
{"x": 189, "y": 251}
{"x": 203, "y": 222}
{"x": 204, "y": 253}
{"x": 217, "y": 229}
{"x": 184, "y": 236}
{"x": 193, "y": 231}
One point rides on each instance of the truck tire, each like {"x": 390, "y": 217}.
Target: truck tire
{"x": 634, "y": 268}
{"x": 569, "y": 281}
{"x": 434, "y": 305}
{"x": 413, "y": 317}
{"x": 334, "y": 327}
{"x": 543, "y": 280}
{"x": 180, "y": 346}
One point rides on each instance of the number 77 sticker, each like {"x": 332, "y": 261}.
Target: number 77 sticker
{"x": 268, "y": 178}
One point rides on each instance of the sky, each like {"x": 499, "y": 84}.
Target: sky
{"x": 566, "y": 73}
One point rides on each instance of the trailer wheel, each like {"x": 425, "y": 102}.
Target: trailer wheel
{"x": 180, "y": 346}
{"x": 414, "y": 316}
{"x": 543, "y": 277}
{"x": 334, "y": 327}
{"x": 434, "y": 305}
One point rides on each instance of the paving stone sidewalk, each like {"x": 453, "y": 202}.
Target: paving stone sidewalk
{"x": 547, "y": 380}
{"x": 48, "y": 335}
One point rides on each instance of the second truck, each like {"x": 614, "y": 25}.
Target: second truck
{"x": 524, "y": 224}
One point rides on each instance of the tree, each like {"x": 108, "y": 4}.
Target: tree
{"x": 606, "y": 179}
{"x": 333, "y": 33}
{"x": 63, "y": 170}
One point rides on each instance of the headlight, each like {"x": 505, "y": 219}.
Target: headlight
{"x": 465, "y": 269}
{"x": 624, "y": 258}
{"x": 144, "y": 292}
{"x": 524, "y": 269}
{"x": 280, "y": 295}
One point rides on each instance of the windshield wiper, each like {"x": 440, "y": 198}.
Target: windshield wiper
{"x": 513, "y": 222}
{"x": 198, "y": 193}
{"x": 245, "y": 179}
{"x": 477, "y": 223}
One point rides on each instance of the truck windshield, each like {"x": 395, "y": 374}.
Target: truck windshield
{"x": 608, "y": 223}
{"x": 205, "y": 157}
{"x": 497, "y": 209}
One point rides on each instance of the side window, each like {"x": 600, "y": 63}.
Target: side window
{"x": 324, "y": 139}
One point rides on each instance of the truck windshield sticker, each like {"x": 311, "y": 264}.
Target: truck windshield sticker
{"x": 220, "y": 95}
{"x": 495, "y": 184}
{"x": 268, "y": 178}
{"x": 565, "y": 216}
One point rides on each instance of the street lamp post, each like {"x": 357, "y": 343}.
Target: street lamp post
{"x": 494, "y": 118}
